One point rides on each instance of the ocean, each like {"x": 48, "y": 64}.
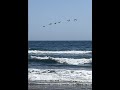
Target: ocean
{"x": 66, "y": 62}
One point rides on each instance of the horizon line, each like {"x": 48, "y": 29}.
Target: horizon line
{"x": 59, "y": 40}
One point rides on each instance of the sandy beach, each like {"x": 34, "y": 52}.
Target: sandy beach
{"x": 56, "y": 86}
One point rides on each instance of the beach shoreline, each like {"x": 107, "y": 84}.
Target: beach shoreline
{"x": 60, "y": 86}
{"x": 55, "y": 85}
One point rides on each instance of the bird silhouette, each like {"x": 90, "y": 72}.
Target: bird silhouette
{"x": 59, "y": 22}
{"x": 68, "y": 20}
{"x": 50, "y": 24}
{"x": 75, "y": 19}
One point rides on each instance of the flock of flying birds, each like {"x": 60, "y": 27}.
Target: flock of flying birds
{"x": 60, "y": 22}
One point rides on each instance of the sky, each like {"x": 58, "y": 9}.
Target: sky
{"x": 43, "y": 12}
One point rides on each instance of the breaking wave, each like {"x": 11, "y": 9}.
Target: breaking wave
{"x": 69, "y": 61}
{"x": 58, "y": 52}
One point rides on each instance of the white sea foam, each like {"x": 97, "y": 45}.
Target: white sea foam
{"x": 60, "y": 75}
{"x": 58, "y": 52}
{"x": 70, "y": 61}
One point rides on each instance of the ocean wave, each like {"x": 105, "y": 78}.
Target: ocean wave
{"x": 59, "y": 75}
{"x": 57, "y": 52}
{"x": 69, "y": 61}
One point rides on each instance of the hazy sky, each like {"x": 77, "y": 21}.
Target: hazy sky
{"x": 43, "y": 12}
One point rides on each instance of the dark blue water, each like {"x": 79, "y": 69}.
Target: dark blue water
{"x": 60, "y": 45}
{"x": 60, "y": 54}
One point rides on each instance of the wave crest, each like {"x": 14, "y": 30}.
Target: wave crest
{"x": 70, "y": 61}
{"x": 58, "y": 52}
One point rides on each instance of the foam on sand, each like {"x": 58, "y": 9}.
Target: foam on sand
{"x": 60, "y": 75}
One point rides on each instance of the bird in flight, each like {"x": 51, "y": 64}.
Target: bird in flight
{"x": 75, "y": 19}
{"x": 68, "y": 20}
{"x": 59, "y": 22}
{"x": 50, "y": 24}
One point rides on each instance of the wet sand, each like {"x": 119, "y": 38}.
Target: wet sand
{"x": 56, "y": 86}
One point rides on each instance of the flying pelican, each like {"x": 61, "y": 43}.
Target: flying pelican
{"x": 50, "y": 24}
{"x": 68, "y": 20}
{"x": 75, "y": 19}
{"x": 59, "y": 22}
